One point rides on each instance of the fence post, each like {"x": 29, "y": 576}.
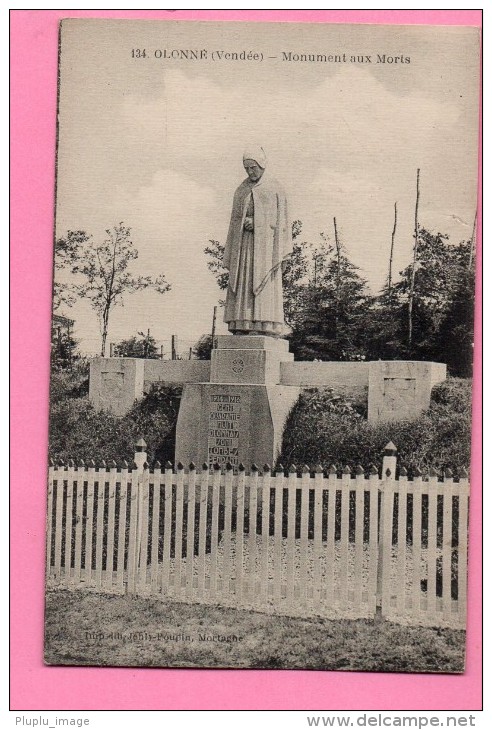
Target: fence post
{"x": 140, "y": 461}
{"x": 385, "y": 523}
{"x": 140, "y": 454}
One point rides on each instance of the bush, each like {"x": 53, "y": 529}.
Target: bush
{"x": 78, "y": 431}
{"x": 155, "y": 417}
{"x": 454, "y": 392}
{"x": 72, "y": 383}
{"x": 439, "y": 438}
{"x": 348, "y": 401}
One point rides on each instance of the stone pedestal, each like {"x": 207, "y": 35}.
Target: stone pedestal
{"x": 238, "y": 416}
{"x": 401, "y": 390}
{"x": 116, "y": 383}
{"x": 248, "y": 359}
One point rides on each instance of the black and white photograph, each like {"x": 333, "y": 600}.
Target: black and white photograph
{"x": 262, "y": 345}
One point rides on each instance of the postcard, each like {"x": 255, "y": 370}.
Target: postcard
{"x": 262, "y": 345}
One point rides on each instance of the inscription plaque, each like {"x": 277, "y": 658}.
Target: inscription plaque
{"x": 224, "y": 428}
{"x": 113, "y": 382}
{"x": 399, "y": 395}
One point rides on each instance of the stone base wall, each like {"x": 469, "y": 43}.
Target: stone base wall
{"x": 322, "y": 374}
{"x": 397, "y": 389}
{"x": 176, "y": 371}
{"x": 400, "y": 390}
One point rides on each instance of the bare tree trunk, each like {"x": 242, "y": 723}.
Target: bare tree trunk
{"x": 390, "y": 272}
{"x": 213, "y": 327}
{"x": 337, "y": 290}
{"x": 337, "y": 246}
{"x": 415, "y": 249}
{"x": 59, "y": 345}
{"x": 472, "y": 243}
{"x": 103, "y": 342}
{"x": 104, "y": 330}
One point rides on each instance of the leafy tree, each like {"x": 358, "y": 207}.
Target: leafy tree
{"x": 454, "y": 340}
{"x": 73, "y": 383}
{"x": 294, "y": 271}
{"x": 215, "y": 253}
{"x": 142, "y": 345}
{"x": 102, "y": 274}
{"x": 434, "y": 269}
{"x": 328, "y": 304}
{"x": 63, "y": 349}
{"x": 385, "y": 327}
{"x": 333, "y": 318}
{"x": 443, "y": 293}
{"x": 67, "y": 250}
{"x": 203, "y": 348}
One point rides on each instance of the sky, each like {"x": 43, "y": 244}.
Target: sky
{"x": 157, "y": 143}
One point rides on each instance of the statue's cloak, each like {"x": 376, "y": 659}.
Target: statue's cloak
{"x": 272, "y": 233}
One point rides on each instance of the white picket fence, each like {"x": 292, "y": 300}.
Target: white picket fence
{"x": 308, "y": 544}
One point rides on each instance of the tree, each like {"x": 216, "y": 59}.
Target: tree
{"x": 328, "y": 303}
{"x": 333, "y": 318}
{"x": 442, "y": 317}
{"x": 392, "y": 248}
{"x": 143, "y": 345}
{"x": 67, "y": 250}
{"x": 102, "y": 274}
{"x": 433, "y": 279}
{"x": 215, "y": 252}
{"x": 294, "y": 271}
{"x": 63, "y": 345}
{"x": 411, "y": 287}
{"x": 386, "y": 327}
{"x": 454, "y": 340}
{"x": 203, "y": 348}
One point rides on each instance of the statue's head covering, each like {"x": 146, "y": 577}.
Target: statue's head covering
{"x": 256, "y": 153}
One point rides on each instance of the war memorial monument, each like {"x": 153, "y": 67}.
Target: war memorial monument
{"x": 234, "y": 406}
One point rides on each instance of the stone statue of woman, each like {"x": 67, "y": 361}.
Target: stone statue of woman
{"x": 258, "y": 242}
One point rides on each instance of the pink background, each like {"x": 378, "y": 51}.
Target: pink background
{"x": 34, "y": 686}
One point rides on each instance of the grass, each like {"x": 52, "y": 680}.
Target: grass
{"x": 88, "y": 628}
